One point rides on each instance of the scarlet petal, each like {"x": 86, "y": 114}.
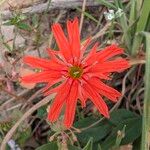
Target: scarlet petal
{"x": 50, "y": 83}
{"x": 98, "y": 75}
{"x": 56, "y": 66}
{"x": 84, "y": 46}
{"x": 71, "y": 102}
{"x": 97, "y": 100}
{"x": 62, "y": 41}
{"x": 55, "y": 89}
{"x": 104, "y": 90}
{"x": 58, "y": 103}
{"x": 36, "y": 62}
{"x": 109, "y": 52}
{"x": 111, "y": 66}
{"x": 82, "y": 96}
{"x": 40, "y": 77}
{"x": 74, "y": 37}
{"x": 89, "y": 58}
{"x": 53, "y": 54}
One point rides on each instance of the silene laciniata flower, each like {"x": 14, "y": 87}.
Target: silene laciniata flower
{"x": 76, "y": 75}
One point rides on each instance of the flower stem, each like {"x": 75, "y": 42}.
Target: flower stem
{"x": 145, "y": 144}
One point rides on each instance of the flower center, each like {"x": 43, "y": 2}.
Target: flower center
{"x": 75, "y": 72}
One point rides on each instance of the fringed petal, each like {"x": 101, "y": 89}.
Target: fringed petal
{"x": 109, "y": 52}
{"x": 117, "y": 65}
{"x": 62, "y": 41}
{"x": 85, "y": 45}
{"x": 41, "y": 77}
{"x": 74, "y": 37}
{"x": 104, "y": 90}
{"x": 71, "y": 102}
{"x": 58, "y": 103}
{"x": 97, "y": 100}
{"x": 37, "y": 62}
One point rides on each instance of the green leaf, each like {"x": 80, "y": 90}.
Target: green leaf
{"x": 89, "y": 145}
{"x": 85, "y": 122}
{"x": 97, "y": 132}
{"x": 121, "y": 114}
{"x": 132, "y": 132}
{"x": 23, "y": 26}
{"x": 48, "y": 146}
{"x": 72, "y": 147}
{"x": 41, "y": 112}
{"x": 102, "y": 129}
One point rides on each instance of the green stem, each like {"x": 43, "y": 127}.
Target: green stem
{"x": 145, "y": 145}
{"x": 141, "y": 25}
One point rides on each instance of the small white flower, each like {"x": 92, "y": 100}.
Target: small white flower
{"x": 110, "y": 15}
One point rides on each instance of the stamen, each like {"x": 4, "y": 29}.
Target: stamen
{"x": 75, "y": 72}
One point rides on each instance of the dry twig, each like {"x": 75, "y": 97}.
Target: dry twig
{"x": 82, "y": 15}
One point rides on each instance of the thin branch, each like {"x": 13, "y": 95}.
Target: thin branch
{"x": 12, "y": 94}
{"x": 32, "y": 97}
{"x": 137, "y": 61}
{"x": 82, "y": 15}
{"x": 12, "y": 99}
{"x": 102, "y": 31}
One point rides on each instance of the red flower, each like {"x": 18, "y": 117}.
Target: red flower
{"x": 79, "y": 75}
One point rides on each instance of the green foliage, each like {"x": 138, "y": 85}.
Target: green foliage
{"x": 71, "y": 147}
{"x": 54, "y": 146}
{"x": 22, "y": 136}
{"x": 132, "y": 23}
{"x": 132, "y": 132}
{"x": 121, "y": 120}
{"x": 120, "y": 136}
{"x": 141, "y": 26}
{"x": 98, "y": 133}
{"x": 48, "y": 146}
{"x": 41, "y": 112}
{"x": 146, "y": 114}
{"x": 17, "y": 20}
{"x": 89, "y": 145}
